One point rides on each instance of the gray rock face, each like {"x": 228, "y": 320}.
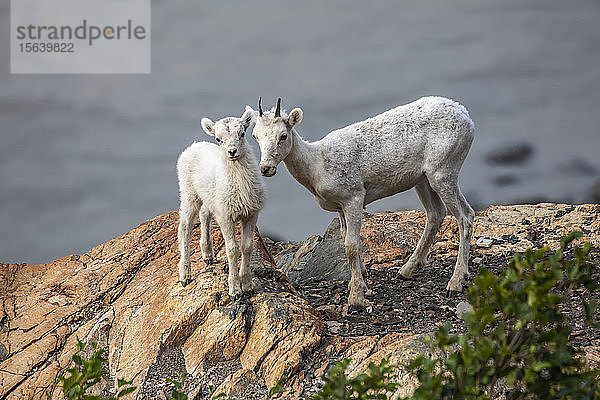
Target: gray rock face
{"x": 318, "y": 258}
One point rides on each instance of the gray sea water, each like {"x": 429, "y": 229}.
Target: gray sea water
{"x": 84, "y": 158}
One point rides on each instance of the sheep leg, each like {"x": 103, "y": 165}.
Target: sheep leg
{"x": 342, "y": 225}
{"x": 233, "y": 255}
{"x": 357, "y": 286}
{"x": 435, "y": 212}
{"x": 466, "y": 231}
{"x": 187, "y": 211}
{"x": 343, "y": 230}
{"x": 248, "y": 226}
{"x": 205, "y": 240}
{"x": 447, "y": 188}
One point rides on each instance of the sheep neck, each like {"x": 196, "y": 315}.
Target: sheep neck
{"x": 302, "y": 161}
{"x": 246, "y": 191}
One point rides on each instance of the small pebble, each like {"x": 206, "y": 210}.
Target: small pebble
{"x": 484, "y": 242}
{"x": 463, "y": 307}
{"x": 333, "y": 326}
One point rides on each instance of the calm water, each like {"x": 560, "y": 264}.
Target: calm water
{"x": 86, "y": 158}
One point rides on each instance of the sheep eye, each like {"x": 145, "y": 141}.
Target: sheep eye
{"x": 243, "y": 134}
{"x": 218, "y": 140}
{"x": 283, "y": 137}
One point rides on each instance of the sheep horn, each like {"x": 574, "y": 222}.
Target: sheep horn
{"x": 278, "y": 109}
{"x": 260, "y": 107}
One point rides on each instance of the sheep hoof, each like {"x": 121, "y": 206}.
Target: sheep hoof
{"x": 246, "y": 296}
{"x": 454, "y": 285}
{"x": 355, "y": 309}
{"x": 247, "y": 284}
{"x": 241, "y": 297}
{"x": 186, "y": 282}
{"x": 208, "y": 261}
{"x": 403, "y": 278}
{"x": 226, "y": 268}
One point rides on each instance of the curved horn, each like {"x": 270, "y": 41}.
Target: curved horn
{"x": 278, "y": 109}
{"x": 260, "y": 107}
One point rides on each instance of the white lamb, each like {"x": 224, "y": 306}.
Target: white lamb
{"x": 422, "y": 145}
{"x": 221, "y": 182}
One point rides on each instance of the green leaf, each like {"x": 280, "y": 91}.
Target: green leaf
{"x": 126, "y": 391}
{"x": 123, "y": 382}
{"x": 540, "y": 365}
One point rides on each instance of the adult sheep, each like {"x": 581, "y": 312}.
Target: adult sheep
{"x": 422, "y": 145}
{"x": 221, "y": 182}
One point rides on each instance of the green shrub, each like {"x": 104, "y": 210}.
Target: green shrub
{"x": 376, "y": 383}
{"x": 86, "y": 373}
{"x": 516, "y": 334}
{"x": 177, "y": 392}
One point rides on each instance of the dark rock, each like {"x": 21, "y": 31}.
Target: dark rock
{"x": 3, "y": 352}
{"x": 511, "y": 154}
{"x": 512, "y": 239}
{"x": 561, "y": 213}
{"x": 505, "y": 180}
{"x": 594, "y": 192}
{"x": 530, "y": 200}
{"x": 579, "y": 167}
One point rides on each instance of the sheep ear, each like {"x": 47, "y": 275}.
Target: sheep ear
{"x": 295, "y": 117}
{"x": 248, "y": 117}
{"x": 208, "y": 126}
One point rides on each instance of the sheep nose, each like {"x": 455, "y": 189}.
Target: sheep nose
{"x": 268, "y": 171}
{"x": 232, "y": 152}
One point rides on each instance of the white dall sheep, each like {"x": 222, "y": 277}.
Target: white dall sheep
{"x": 422, "y": 145}
{"x": 221, "y": 182}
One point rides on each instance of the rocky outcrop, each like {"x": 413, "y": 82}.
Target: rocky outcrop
{"x": 389, "y": 238}
{"x": 124, "y": 295}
